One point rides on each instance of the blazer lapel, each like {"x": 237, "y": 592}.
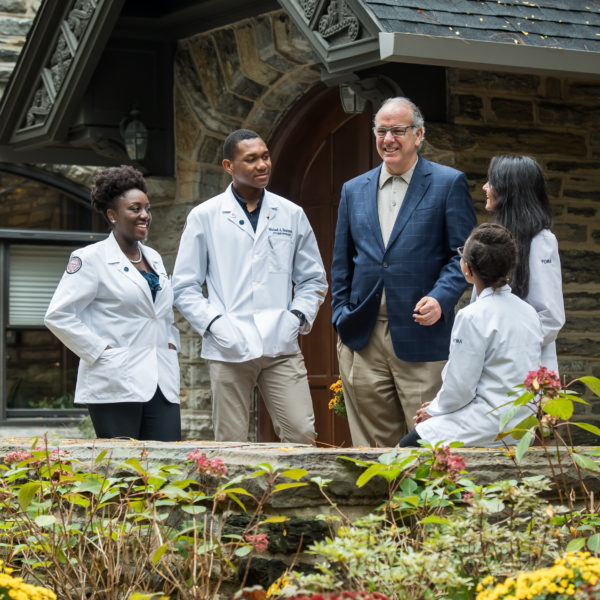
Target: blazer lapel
{"x": 419, "y": 185}
{"x": 370, "y": 194}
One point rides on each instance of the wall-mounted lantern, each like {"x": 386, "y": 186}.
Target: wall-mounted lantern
{"x": 352, "y": 103}
{"x": 135, "y": 135}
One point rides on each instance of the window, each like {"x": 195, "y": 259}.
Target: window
{"x": 43, "y": 218}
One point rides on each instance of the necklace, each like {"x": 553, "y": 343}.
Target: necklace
{"x": 138, "y": 259}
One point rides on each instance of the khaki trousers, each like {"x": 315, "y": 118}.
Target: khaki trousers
{"x": 382, "y": 392}
{"x": 283, "y": 384}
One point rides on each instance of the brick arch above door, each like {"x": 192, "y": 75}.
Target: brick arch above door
{"x": 315, "y": 150}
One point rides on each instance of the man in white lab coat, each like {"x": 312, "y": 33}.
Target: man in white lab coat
{"x": 258, "y": 256}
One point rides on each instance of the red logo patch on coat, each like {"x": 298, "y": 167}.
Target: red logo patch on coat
{"x": 73, "y": 265}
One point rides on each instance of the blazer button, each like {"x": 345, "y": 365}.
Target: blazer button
{"x": 385, "y": 265}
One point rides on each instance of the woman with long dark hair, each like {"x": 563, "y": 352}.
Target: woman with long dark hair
{"x": 517, "y": 198}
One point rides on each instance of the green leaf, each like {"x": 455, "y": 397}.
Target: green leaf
{"x": 45, "y": 520}
{"x": 194, "y": 509}
{"x": 592, "y": 383}
{"x": 100, "y": 456}
{"x": 585, "y": 462}
{"x": 93, "y": 486}
{"x": 280, "y": 519}
{"x": 529, "y": 423}
{"x": 286, "y": 486}
{"x": 158, "y": 553}
{"x": 137, "y": 466}
{"x": 243, "y": 551}
{"x": 593, "y": 542}
{"x": 27, "y": 492}
{"x": 559, "y": 407}
{"x": 523, "y": 445}
{"x": 388, "y": 473}
{"x": 294, "y": 474}
{"x": 588, "y": 427}
{"x": 575, "y": 544}
{"x": 507, "y": 416}
{"x": 434, "y": 519}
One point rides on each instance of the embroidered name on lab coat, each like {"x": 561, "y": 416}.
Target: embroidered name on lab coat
{"x": 546, "y": 261}
{"x": 456, "y": 341}
{"x": 280, "y": 231}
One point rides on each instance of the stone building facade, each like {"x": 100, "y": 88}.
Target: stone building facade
{"x": 252, "y": 73}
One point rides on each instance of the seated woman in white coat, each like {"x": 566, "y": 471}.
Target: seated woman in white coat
{"x": 113, "y": 307}
{"x": 495, "y": 342}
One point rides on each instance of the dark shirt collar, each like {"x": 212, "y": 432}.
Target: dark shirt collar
{"x": 252, "y": 216}
{"x": 244, "y": 204}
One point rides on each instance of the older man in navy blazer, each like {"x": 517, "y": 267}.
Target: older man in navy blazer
{"x": 396, "y": 277}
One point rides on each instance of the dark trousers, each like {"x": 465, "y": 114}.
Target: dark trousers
{"x": 411, "y": 439}
{"x": 158, "y": 419}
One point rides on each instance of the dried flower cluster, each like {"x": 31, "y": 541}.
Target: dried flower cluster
{"x": 445, "y": 461}
{"x": 207, "y": 466}
{"x": 543, "y": 381}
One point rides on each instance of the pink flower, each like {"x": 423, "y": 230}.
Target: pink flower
{"x": 444, "y": 460}
{"x": 17, "y": 456}
{"x": 543, "y": 381}
{"x": 207, "y": 466}
{"x": 259, "y": 541}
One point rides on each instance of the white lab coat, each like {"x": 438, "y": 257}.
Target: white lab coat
{"x": 545, "y": 292}
{"x": 249, "y": 277}
{"x": 494, "y": 343}
{"x": 107, "y": 302}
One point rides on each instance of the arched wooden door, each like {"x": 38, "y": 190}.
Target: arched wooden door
{"x": 316, "y": 149}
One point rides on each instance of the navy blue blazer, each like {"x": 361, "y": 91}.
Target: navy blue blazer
{"x": 436, "y": 217}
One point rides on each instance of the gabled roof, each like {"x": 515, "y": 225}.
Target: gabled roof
{"x": 566, "y": 24}
{"x": 545, "y": 36}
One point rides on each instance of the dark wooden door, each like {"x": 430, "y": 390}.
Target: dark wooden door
{"x": 316, "y": 149}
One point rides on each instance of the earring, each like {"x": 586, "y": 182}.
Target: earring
{"x": 113, "y": 221}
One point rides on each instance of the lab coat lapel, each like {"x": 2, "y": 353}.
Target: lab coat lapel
{"x": 235, "y": 214}
{"x": 268, "y": 214}
{"x": 370, "y": 196}
{"x": 417, "y": 188}
{"x": 118, "y": 260}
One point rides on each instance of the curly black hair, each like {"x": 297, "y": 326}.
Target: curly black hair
{"x": 111, "y": 183}
{"x": 491, "y": 253}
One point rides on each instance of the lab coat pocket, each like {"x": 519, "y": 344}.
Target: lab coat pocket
{"x": 226, "y": 336}
{"x": 280, "y": 250}
{"x": 108, "y": 377}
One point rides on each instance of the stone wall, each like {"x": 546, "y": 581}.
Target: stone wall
{"x": 556, "y": 120}
{"x": 252, "y": 73}
{"x": 302, "y": 504}
{"x": 16, "y": 17}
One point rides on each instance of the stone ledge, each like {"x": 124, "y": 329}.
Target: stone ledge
{"x": 485, "y": 465}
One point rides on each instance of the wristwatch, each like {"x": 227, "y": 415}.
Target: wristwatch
{"x": 300, "y": 316}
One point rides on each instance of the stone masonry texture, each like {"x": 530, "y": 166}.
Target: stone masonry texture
{"x": 252, "y": 73}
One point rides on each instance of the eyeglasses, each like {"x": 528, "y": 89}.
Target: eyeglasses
{"x": 460, "y": 251}
{"x": 396, "y": 130}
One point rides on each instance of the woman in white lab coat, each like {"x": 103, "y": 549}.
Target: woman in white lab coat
{"x": 517, "y": 198}
{"x": 113, "y": 307}
{"x": 495, "y": 342}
